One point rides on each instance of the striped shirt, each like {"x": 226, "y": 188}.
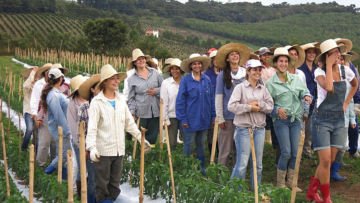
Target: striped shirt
{"x": 140, "y": 103}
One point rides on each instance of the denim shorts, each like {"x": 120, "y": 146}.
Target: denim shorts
{"x": 328, "y": 130}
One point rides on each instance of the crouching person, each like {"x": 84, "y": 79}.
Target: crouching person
{"x": 109, "y": 118}
{"x": 250, "y": 102}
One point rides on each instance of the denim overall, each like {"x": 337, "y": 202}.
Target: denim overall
{"x": 328, "y": 120}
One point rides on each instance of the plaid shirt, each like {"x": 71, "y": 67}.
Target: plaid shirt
{"x": 84, "y": 114}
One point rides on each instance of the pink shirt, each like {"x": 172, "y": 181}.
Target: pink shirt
{"x": 267, "y": 73}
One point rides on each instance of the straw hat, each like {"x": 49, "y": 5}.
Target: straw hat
{"x": 42, "y": 70}
{"x": 185, "y": 64}
{"x": 167, "y": 61}
{"x": 152, "y": 62}
{"x": 346, "y": 42}
{"x": 282, "y": 51}
{"x": 173, "y": 62}
{"x": 136, "y": 53}
{"x": 76, "y": 81}
{"x": 107, "y": 71}
{"x": 354, "y": 55}
{"x": 326, "y": 46}
{"x": 254, "y": 56}
{"x": 301, "y": 55}
{"x": 311, "y": 45}
{"x": 84, "y": 88}
{"x": 223, "y": 52}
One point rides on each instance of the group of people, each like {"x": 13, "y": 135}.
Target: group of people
{"x": 285, "y": 90}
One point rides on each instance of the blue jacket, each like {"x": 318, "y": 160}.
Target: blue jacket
{"x": 57, "y": 107}
{"x": 195, "y": 105}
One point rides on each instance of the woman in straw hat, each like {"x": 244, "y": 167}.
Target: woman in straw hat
{"x": 229, "y": 58}
{"x": 55, "y": 104}
{"x": 194, "y": 105}
{"x": 329, "y": 133}
{"x": 29, "y": 122}
{"x": 168, "y": 93}
{"x": 298, "y": 55}
{"x": 87, "y": 91}
{"x": 109, "y": 118}
{"x": 288, "y": 91}
{"x": 144, "y": 95}
{"x": 73, "y": 119}
{"x": 250, "y": 102}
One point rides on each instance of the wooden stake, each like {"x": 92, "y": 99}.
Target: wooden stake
{"x": 142, "y": 166}
{"x": 214, "y": 142}
{"x": 297, "y": 166}
{"x": 134, "y": 150}
{"x": 253, "y": 156}
{"x": 82, "y": 162}
{"x": 70, "y": 176}
{"x": 60, "y": 154}
{"x": 31, "y": 173}
{"x": 170, "y": 163}
{"x": 5, "y": 161}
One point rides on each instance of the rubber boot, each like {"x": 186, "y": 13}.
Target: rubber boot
{"x": 280, "y": 179}
{"x": 50, "y": 169}
{"x": 325, "y": 191}
{"x": 289, "y": 181}
{"x": 334, "y": 175}
{"x": 202, "y": 165}
{"x": 312, "y": 191}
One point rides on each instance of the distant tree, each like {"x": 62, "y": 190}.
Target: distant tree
{"x": 106, "y": 35}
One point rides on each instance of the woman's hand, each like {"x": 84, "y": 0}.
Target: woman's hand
{"x": 282, "y": 113}
{"x": 308, "y": 99}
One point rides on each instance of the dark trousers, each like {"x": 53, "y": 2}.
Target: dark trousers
{"x": 353, "y": 134}
{"x": 152, "y": 126}
{"x": 108, "y": 174}
{"x": 174, "y": 129}
{"x": 29, "y": 122}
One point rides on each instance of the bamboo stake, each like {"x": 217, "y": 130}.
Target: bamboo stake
{"x": 5, "y": 161}
{"x": 142, "y": 161}
{"x": 253, "y": 156}
{"x": 170, "y": 163}
{"x": 70, "y": 177}
{"x": 297, "y": 166}
{"x": 83, "y": 162}
{"x": 60, "y": 155}
{"x": 134, "y": 150}
{"x": 1, "y": 109}
{"x": 214, "y": 142}
{"x": 31, "y": 173}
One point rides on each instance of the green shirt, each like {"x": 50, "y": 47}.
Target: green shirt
{"x": 288, "y": 95}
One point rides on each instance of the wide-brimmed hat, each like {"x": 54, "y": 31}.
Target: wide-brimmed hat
{"x": 347, "y": 57}
{"x": 254, "y": 56}
{"x": 43, "y": 69}
{"x": 253, "y": 63}
{"x": 84, "y": 88}
{"x": 26, "y": 72}
{"x": 185, "y": 64}
{"x": 136, "y": 53}
{"x": 152, "y": 62}
{"x": 210, "y": 50}
{"x": 224, "y": 51}
{"x": 311, "y": 45}
{"x": 107, "y": 71}
{"x": 346, "y": 42}
{"x": 263, "y": 50}
{"x": 282, "y": 51}
{"x": 301, "y": 55}
{"x": 75, "y": 83}
{"x": 173, "y": 62}
{"x": 354, "y": 55}
{"x": 328, "y": 45}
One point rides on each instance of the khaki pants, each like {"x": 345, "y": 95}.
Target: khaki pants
{"x": 108, "y": 172}
{"x": 45, "y": 142}
{"x": 226, "y": 142}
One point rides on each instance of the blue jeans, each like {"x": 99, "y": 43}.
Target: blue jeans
{"x": 353, "y": 134}
{"x": 243, "y": 153}
{"x": 288, "y": 135}
{"x": 66, "y": 146}
{"x": 29, "y": 122}
{"x": 199, "y": 137}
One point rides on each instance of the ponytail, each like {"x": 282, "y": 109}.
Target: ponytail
{"x": 48, "y": 87}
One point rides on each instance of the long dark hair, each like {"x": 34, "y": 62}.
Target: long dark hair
{"x": 48, "y": 87}
{"x": 227, "y": 75}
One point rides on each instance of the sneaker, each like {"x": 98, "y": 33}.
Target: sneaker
{"x": 355, "y": 155}
{"x": 50, "y": 169}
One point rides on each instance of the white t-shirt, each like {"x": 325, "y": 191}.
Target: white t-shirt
{"x": 321, "y": 92}
{"x": 301, "y": 75}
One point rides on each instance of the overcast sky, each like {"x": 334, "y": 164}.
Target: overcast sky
{"x": 268, "y": 2}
